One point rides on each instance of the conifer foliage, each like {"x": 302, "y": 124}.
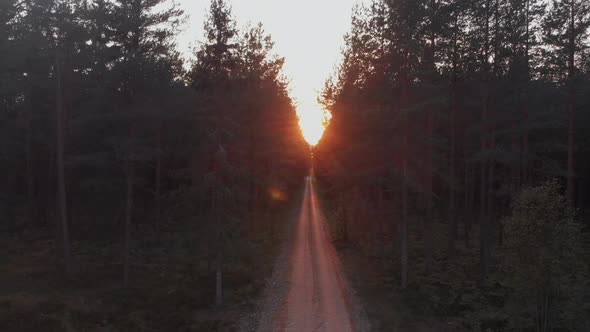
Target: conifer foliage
{"x": 443, "y": 110}
{"x": 104, "y": 131}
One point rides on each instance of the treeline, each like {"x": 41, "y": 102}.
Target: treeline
{"x": 104, "y": 131}
{"x": 443, "y": 110}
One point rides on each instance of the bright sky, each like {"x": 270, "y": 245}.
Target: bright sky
{"x": 308, "y": 33}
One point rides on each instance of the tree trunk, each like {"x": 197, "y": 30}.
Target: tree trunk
{"x": 219, "y": 279}
{"x": 570, "y": 149}
{"x": 405, "y": 154}
{"x": 483, "y": 231}
{"x": 491, "y": 220}
{"x": 404, "y": 224}
{"x": 29, "y": 158}
{"x": 472, "y": 196}
{"x": 49, "y": 203}
{"x": 515, "y": 165}
{"x": 571, "y": 105}
{"x": 158, "y": 196}
{"x": 466, "y": 202}
{"x": 428, "y": 246}
{"x": 429, "y": 204}
{"x": 379, "y": 216}
{"x": 525, "y": 114}
{"x": 61, "y": 182}
{"x": 483, "y": 228}
{"x": 130, "y": 170}
{"x": 217, "y": 210}
{"x": 452, "y": 222}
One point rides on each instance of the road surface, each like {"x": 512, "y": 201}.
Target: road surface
{"x": 316, "y": 298}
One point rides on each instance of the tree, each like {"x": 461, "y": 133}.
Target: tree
{"x": 144, "y": 35}
{"x": 211, "y": 78}
{"x": 565, "y": 30}
{"x": 542, "y": 244}
{"x": 31, "y": 31}
{"x": 241, "y": 98}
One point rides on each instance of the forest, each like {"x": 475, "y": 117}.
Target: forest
{"x": 145, "y": 191}
{"x": 126, "y": 166}
{"x": 457, "y": 159}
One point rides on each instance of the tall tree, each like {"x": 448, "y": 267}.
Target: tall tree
{"x": 565, "y": 30}
{"x": 64, "y": 43}
{"x": 211, "y": 77}
{"x": 143, "y": 34}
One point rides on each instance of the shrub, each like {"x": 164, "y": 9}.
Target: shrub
{"x": 542, "y": 260}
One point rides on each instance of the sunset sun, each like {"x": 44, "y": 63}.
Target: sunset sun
{"x": 313, "y": 122}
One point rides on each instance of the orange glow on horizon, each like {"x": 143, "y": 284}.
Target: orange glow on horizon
{"x": 313, "y": 122}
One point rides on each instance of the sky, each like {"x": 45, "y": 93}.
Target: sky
{"x": 308, "y": 33}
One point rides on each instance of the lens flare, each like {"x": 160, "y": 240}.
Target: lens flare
{"x": 313, "y": 122}
{"x": 278, "y": 194}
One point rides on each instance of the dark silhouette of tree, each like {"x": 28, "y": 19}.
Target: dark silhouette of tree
{"x": 243, "y": 99}
{"x": 448, "y": 106}
{"x": 95, "y": 103}
{"x": 565, "y": 30}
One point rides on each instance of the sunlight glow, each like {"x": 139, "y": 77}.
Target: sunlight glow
{"x": 312, "y": 50}
{"x": 313, "y": 122}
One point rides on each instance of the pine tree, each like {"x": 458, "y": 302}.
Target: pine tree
{"x": 142, "y": 34}
{"x": 565, "y": 30}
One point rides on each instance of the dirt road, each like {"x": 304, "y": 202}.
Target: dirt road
{"x": 311, "y": 294}
{"x": 315, "y": 300}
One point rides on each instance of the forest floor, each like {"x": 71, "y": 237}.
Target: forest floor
{"x": 446, "y": 299}
{"x": 171, "y": 284}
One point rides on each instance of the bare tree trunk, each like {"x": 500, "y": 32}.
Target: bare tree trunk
{"x": 404, "y": 224}
{"x": 515, "y": 148}
{"x": 219, "y": 279}
{"x": 472, "y": 196}
{"x": 525, "y": 150}
{"x": 50, "y": 203}
{"x": 429, "y": 204}
{"x": 466, "y": 201}
{"x": 537, "y": 317}
{"x": 130, "y": 170}
{"x": 525, "y": 114}
{"x": 483, "y": 223}
{"x": 452, "y": 221}
{"x": 379, "y": 208}
{"x": 571, "y": 112}
{"x": 29, "y": 158}
{"x": 546, "y": 314}
{"x": 217, "y": 210}
{"x": 570, "y": 149}
{"x": 525, "y": 173}
{"x": 428, "y": 246}
{"x": 61, "y": 182}
{"x": 492, "y": 222}
{"x": 483, "y": 227}
{"x": 514, "y": 167}
{"x": 158, "y": 182}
